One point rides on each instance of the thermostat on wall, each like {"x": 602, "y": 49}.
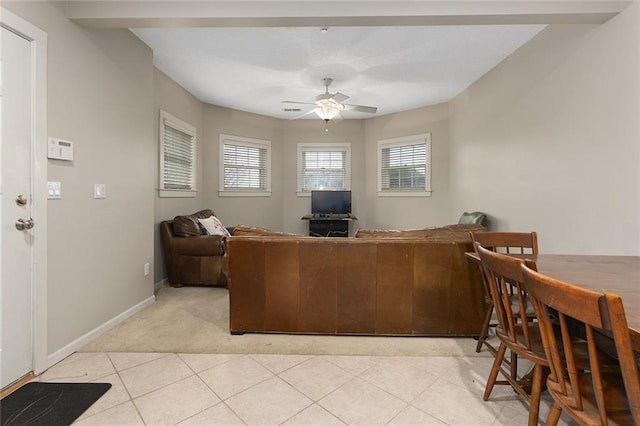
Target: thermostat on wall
{"x": 59, "y": 149}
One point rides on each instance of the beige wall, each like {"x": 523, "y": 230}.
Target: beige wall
{"x": 410, "y": 212}
{"x": 172, "y": 98}
{"x": 257, "y": 211}
{"x": 283, "y": 210}
{"x": 313, "y": 131}
{"x": 100, "y": 96}
{"x": 549, "y": 139}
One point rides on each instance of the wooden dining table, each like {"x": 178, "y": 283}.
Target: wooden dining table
{"x": 608, "y": 274}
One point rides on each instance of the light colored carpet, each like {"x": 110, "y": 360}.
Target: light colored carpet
{"x": 196, "y": 320}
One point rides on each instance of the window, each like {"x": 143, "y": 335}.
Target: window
{"x": 244, "y": 166}
{"x": 177, "y": 157}
{"x": 404, "y": 166}
{"x": 323, "y": 167}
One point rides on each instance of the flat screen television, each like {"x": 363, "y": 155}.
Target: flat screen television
{"x": 330, "y": 202}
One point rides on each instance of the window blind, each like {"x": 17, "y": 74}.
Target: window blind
{"x": 323, "y": 170}
{"x": 245, "y": 167}
{"x": 179, "y": 156}
{"x": 404, "y": 167}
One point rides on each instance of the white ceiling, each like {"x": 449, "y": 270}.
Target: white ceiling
{"x": 392, "y": 54}
{"x": 392, "y": 68}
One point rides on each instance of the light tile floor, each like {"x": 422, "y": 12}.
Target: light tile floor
{"x": 212, "y": 389}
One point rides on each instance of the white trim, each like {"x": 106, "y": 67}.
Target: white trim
{"x": 244, "y": 194}
{"x": 257, "y": 143}
{"x": 72, "y": 347}
{"x": 38, "y": 39}
{"x": 164, "y": 283}
{"x": 401, "y": 141}
{"x": 176, "y": 193}
{"x": 178, "y": 124}
{"x": 323, "y": 146}
{"x": 404, "y": 193}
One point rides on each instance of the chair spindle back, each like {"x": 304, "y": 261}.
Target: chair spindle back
{"x": 569, "y": 316}
{"x": 507, "y": 242}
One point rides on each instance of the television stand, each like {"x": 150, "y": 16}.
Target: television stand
{"x": 329, "y": 225}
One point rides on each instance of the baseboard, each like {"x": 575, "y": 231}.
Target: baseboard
{"x": 160, "y": 284}
{"x": 61, "y": 354}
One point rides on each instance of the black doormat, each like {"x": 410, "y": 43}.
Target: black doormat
{"x": 49, "y": 404}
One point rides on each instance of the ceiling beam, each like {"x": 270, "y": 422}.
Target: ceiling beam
{"x": 333, "y": 13}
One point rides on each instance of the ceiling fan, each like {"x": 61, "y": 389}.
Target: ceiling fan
{"x": 329, "y": 105}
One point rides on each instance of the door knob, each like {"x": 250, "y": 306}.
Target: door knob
{"x": 22, "y": 224}
{"x": 21, "y": 200}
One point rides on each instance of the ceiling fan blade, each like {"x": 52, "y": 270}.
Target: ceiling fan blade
{"x": 295, "y": 102}
{"x": 360, "y": 108}
{"x": 302, "y": 115}
{"x": 339, "y": 98}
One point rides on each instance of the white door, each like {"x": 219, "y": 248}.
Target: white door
{"x": 16, "y": 297}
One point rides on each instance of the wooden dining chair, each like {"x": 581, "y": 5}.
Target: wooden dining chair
{"x": 574, "y": 321}
{"x": 515, "y": 331}
{"x": 505, "y": 242}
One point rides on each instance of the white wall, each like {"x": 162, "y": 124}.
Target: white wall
{"x": 549, "y": 140}
{"x": 172, "y": 98}
{"x": 100, "y": 96}
{"x": 410, "y": 212}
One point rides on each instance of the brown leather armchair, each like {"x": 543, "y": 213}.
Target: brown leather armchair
{"x": 192, "y": 258}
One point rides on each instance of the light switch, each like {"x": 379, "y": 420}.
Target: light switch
{"x": 54, "y": 190}
{"x": 99, "y": 190}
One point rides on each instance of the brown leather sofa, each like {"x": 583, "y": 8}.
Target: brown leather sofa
{"x": 400, "y": 283}
{"x": 192, "y": 258}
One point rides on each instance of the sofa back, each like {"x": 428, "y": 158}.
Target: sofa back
{"x": 353, "y": 286}
{"x": 256, "y": 231}
{"x": 458, "y": 232}
{"x": 186, "y": 225}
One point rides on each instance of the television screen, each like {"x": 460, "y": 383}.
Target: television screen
{"x": 330, "y": 202}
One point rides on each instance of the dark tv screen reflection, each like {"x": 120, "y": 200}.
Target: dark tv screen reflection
{"x": 330, "y": 202}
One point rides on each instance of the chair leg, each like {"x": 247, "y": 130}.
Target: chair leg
{"x": 554, "y": 415}
{"x": 491, "y": 381}
{"x": 484, "y": 332}
{"x": 536, "y": 391}
{"x": 513, "y": 365}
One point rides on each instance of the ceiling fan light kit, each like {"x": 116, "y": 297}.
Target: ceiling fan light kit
{"x": 328, "y": 110}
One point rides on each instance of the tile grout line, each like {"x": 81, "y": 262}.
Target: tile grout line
{"x": 224, "y": 400}
{"x": 470, "y": 382}
{"x": 117, "y": 373}
{"x": 126, "y": 389}
{"x": 221, "y": 401}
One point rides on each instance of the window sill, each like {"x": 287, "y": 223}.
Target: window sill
{"x": 244, "y": 193}
{"x": 404, "y": 193}
{"x": 308, "y": 193}
{"x": 176, "y": 193}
